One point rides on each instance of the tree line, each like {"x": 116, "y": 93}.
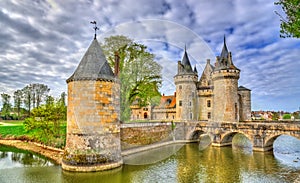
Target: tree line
{"x": 25, "y": 99}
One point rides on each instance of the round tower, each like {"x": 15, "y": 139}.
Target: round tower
{"x": 225, "y": 89}
{"x": 93, "y": 128}
{"x": 186, "y": 87}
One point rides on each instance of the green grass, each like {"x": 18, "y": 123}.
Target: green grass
{"x": 18, "y": 132}
{"x": 15, "y": 130}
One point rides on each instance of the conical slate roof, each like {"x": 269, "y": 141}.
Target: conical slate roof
{"x": 93, "y": 65}
{"x": 186, "y": 63}
{"x": 224, "y": 53}
{"x": 225, "y": 60}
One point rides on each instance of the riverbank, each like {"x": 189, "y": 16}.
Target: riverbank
{"x": 54, "y": 154}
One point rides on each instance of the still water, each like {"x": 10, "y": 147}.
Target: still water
{"x": 175, "y": 163}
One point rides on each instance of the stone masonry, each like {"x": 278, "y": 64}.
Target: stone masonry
{"x": 93, "y": 127}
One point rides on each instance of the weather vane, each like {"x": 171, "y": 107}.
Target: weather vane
{"x": 95, "y": 28}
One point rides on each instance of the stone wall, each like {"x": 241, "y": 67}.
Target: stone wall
{"x": 164, "y": 114}
{"x": 204, "y": 96}
{"x": 141, "y": 134}
{"x": 245, "y": 105}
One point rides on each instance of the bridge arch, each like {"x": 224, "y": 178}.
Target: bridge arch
{"x": 226, "y": 138}
{"x": 195, "y": 135}
{"x": 270, "y": 140}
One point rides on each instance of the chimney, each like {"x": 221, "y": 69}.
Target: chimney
{"x": 174, "y": 94}
{"x": 208, "y": 61}
{"x": 117, "y": 64}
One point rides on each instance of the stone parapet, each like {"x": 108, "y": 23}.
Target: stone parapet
{"x": 140, "y": 134}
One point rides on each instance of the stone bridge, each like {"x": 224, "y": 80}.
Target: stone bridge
{"x": 262, "y": 134}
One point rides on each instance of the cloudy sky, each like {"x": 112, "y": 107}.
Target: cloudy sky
{"x": 42, "y": 41}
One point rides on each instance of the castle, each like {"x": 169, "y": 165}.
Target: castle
{"x": 214, "y": 97}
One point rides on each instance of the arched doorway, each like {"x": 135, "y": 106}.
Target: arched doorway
{"x": 145, "y": 115}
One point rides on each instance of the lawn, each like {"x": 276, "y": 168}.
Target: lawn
{"x": 15, "y": 130}
{"x": 12, "y": 130}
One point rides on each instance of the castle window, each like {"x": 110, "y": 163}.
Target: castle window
{"x": 145, "y": 115}
{"x": 167, "y": 116}
{"x": 145, "y": 109}
{"x": 180, "y": 102}
{"x": 191, "y": 115}
{"x": 208, "y": 103}
{"x": 180, "y": 87}
{"x": 208, "y": 115}
{"x": 190, "y": 103}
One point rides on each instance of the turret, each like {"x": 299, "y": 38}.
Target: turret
{"x": 225, "y": 93}
{"x": 93, "y": 127}
{"x": 185, "y": 81}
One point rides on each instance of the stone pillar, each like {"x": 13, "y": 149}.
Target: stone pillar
{"x": 259, "y": 144}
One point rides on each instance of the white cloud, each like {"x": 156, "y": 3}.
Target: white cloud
{"x": 43, "y": 41}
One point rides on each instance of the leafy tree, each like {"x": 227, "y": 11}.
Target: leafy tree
{"x": 33, "y": 95}
{"x": 46, "y": 120}
{"x": 6, "y": 107}
{"x": 140, "y": 75}
{"x": 38, "y": 92}
{"x": 275, "y": 116}
{"x": 286, "y": 116}
{"x": 49, "y": 100}
{"x": 18, "y": 101}
{"x": 62, "y": 98}
{"x": 296, "y": 115}
{"x": 62, "y": 105}
{"x": 27, "y": 97}
{"x": 290, "y": 25}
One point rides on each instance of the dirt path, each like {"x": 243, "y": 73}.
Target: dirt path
{"x": 49, "y": 152}
{"x": 7, "y": 124}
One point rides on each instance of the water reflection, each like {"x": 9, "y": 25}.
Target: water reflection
{"x": 12, "y": 157}
{"x": 287, "y": 151}
{"x": 189, "y": 164}
{"x": 153, "y": 155}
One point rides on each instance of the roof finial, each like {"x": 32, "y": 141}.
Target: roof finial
{"x": 95, "y": 28}
{"x": 184, "y": 47}
{"x": 224, "y": 39}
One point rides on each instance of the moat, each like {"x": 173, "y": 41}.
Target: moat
{"x": 187, "y": 163}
